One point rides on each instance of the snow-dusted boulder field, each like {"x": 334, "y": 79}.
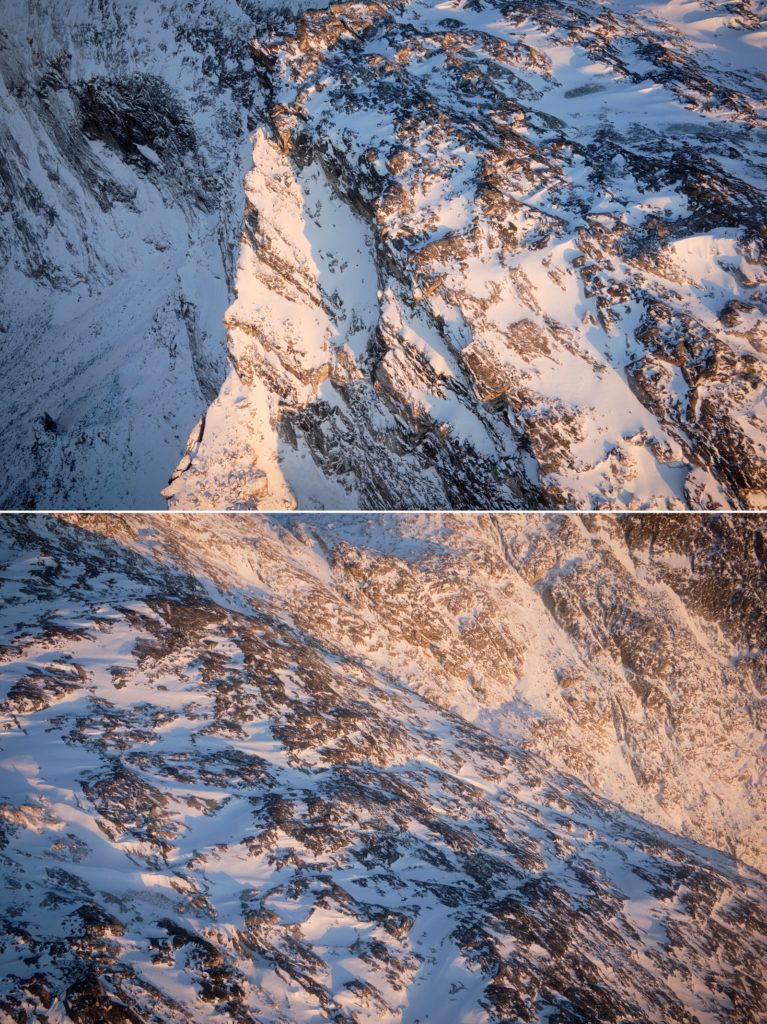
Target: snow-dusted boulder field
{"x": 365, "y": 770}
{"x": 485, "y": 254}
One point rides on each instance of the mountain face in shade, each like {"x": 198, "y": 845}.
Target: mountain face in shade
{"x": 359, "y": 769}
{"x": 123, "y": 141}
{"x": 485, "y": 255}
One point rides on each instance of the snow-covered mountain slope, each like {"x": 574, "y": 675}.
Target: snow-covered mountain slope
{"x": 631, "y": 652}
{"x": 488, "y": 255}
{"x": 499, "y": 254}
{"x": 123, "y": 143}
{"x": 218, "y": 805}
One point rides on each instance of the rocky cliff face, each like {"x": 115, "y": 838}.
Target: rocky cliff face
{"x": 283, "y": 770}
{"x": 501, "y": 255}
{"x": 497, "y": 256}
